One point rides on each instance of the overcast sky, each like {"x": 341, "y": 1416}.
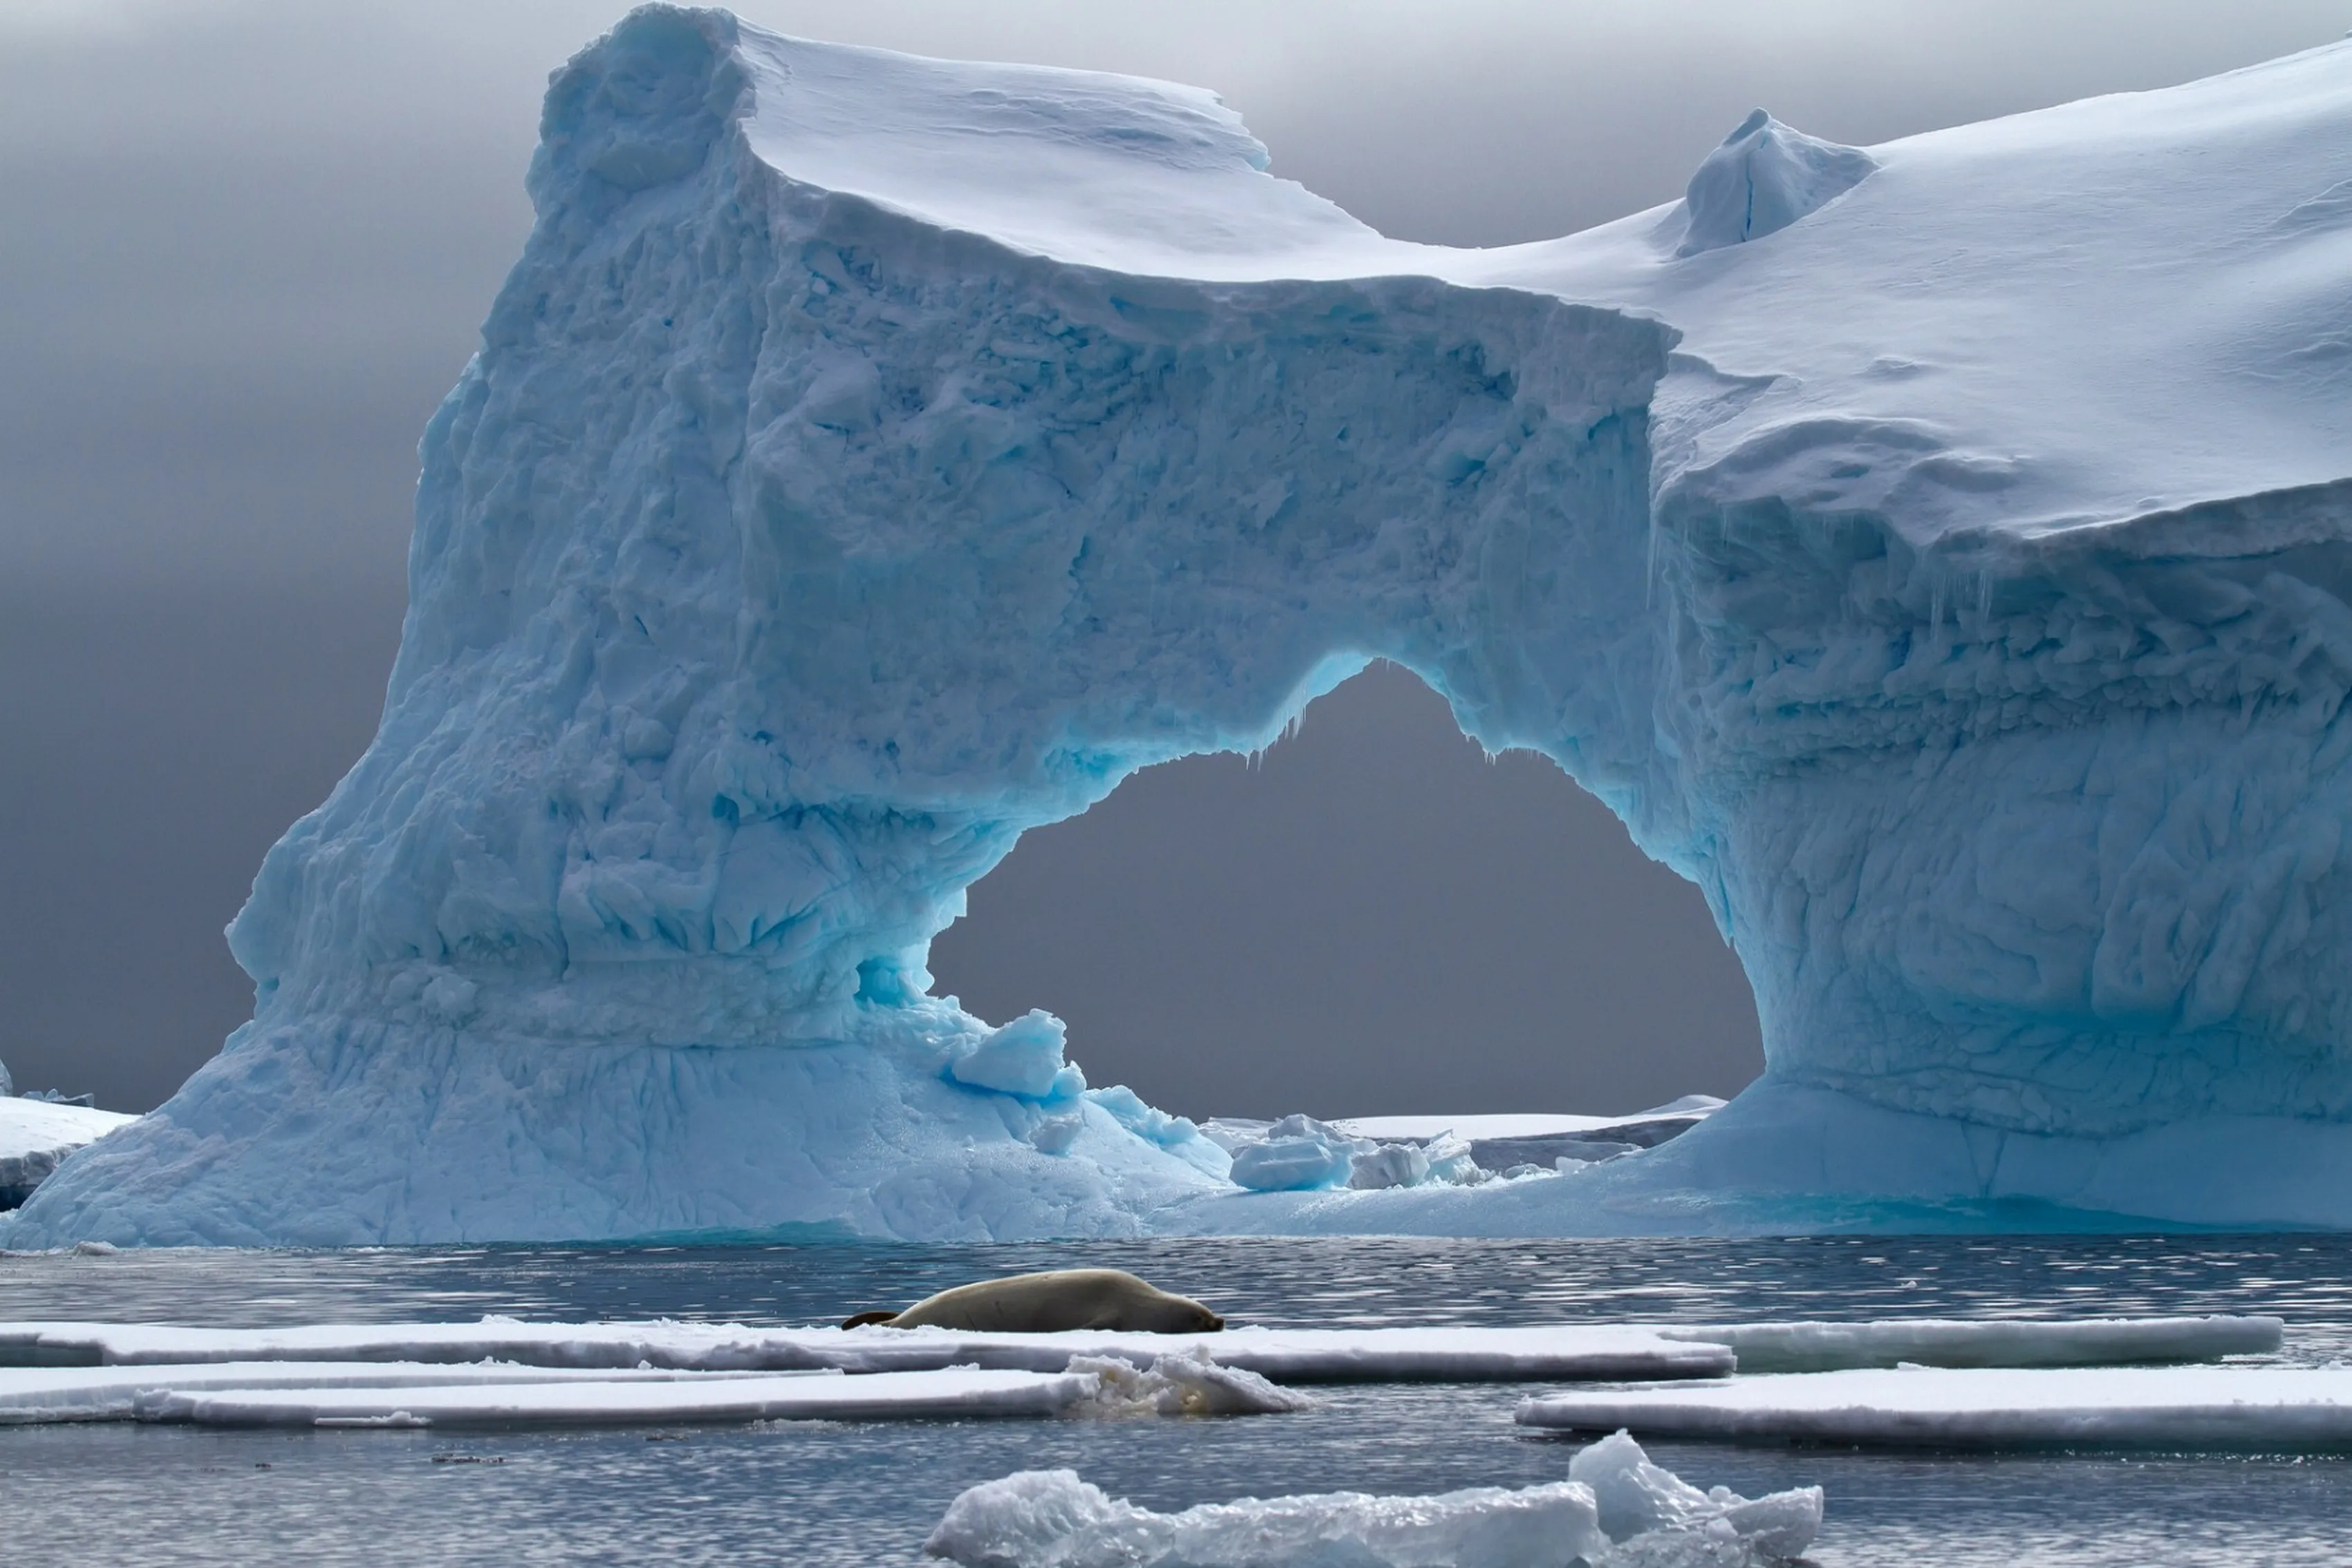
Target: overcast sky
{"x": 244, "y": 248}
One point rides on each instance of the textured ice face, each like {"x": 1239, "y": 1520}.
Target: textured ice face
{"x": 871, "y": 458}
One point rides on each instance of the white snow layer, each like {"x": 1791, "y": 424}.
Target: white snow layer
{"x": 1616, "y": 1511}
{"x": 1945, "y": 565}
{"x": 1556, "y": 1353}
{"x": 2189, "y": 1407}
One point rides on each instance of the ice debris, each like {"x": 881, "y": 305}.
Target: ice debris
{"x": 1300, "y": 1153}
{"x": 1616, "y": 1511}
{"x": 1187, "y": 1382}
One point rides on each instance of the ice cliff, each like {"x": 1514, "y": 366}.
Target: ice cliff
{"x": 1939, "y": 553}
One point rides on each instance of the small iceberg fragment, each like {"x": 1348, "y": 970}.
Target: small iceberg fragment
{"x": 1618, "y": 1512}
{"x": 1298, "y": 1153}
{"x": 1764, "y": 177}
{"x": 2223, "y": 1409}
{"x": 1186, "y": 1382}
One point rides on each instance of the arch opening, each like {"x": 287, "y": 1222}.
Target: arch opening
{"x": 1371, "y": 917}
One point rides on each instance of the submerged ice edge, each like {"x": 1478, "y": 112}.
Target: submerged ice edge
{"x": 869, "y": 458}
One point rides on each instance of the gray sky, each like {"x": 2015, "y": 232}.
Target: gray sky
{"x": 244, "y": 248}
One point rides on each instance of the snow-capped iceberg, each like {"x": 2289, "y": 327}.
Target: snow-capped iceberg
{"x": 872, "y": 458}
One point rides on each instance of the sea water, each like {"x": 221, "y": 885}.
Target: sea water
{"x": 868, "y": 1493}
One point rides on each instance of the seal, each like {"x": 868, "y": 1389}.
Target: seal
{"x": 1053, "y": 1302}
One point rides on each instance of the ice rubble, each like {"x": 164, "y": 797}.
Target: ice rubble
{"x": 1616, "y": 1511}
{"x": 871, "y": 458}
{"x": 2207, "y": 1408}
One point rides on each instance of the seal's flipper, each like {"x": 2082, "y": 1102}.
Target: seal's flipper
{"x": 863, "y": 1318}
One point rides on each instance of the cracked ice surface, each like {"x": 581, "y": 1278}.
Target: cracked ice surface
{"x": 871, "y": 458}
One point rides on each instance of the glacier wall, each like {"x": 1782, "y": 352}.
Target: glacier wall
{"x": 871, "y": 458}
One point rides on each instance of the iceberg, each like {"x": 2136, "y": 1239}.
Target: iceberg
{"x": 2267, "y": 1408}
{"x": 1616, "y": 1510}
{"x": 36, "y": 1135}
{"x": 1937, "y": 552}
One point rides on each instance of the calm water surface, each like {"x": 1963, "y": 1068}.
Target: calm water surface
{"x": 827, "y": 1494}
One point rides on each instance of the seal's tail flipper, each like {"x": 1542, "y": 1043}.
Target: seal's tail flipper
{"x": 863, "y": 1318}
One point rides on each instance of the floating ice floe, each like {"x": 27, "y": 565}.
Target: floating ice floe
{"x": 1616, "y": 1511}
{"x": 359, "y": 1393}
{"x": 1933, "y": 1342}
{"x": 2187, "y": 1407}
{"x": 1568, "y": 1352}
{"x": 1545, "y": 1352}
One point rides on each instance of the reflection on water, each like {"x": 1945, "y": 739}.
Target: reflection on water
{"x": 864, "y": 1494}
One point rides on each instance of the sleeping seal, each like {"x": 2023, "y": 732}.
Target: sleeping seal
{"x": 1052, "y": 1302}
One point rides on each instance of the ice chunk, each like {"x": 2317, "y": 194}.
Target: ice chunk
{"x": 1298, "y": 1153}
{"x": 2197, "y": 1407}
{"x": 1556, "y": 1353}
{"x": 1183, "y": 1383}
{"x": 1636, "y": 1498}
{"x": 1646, "y": 1518}
{"x": 1763, "y": 178}
{"x": 1040, "y": 1518}
{"x": 1389, "y": 1165}
{"x": 7, "y": 1084}
{"x": 1024, "y": 1058}
{"x": 1928, "y": 1342}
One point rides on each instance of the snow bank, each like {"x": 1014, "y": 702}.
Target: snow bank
{"x": 2187, "y": 1407}
{"x": 1617, "y": 1511}
{"x": 36, "y": 1135}
{"x": 870, "y": 458}
{"x": 1565, "y": 1352}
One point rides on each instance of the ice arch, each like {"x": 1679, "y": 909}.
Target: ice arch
{"x": 870, "y": 458}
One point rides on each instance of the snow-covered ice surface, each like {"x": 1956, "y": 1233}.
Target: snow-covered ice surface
{"x": 272, "y": 1398}
{"x": 872, "y": 458}
{"x": 1616, "y": 1511}
{"x": 2180, "y": 1407}
{"x": 1555, "y": 1353}
{"x": 36, "y": 1135}
{"x": 1524, "y": 1354}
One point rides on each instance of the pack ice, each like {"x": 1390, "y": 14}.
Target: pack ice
{"x": 1937, "y": 552}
